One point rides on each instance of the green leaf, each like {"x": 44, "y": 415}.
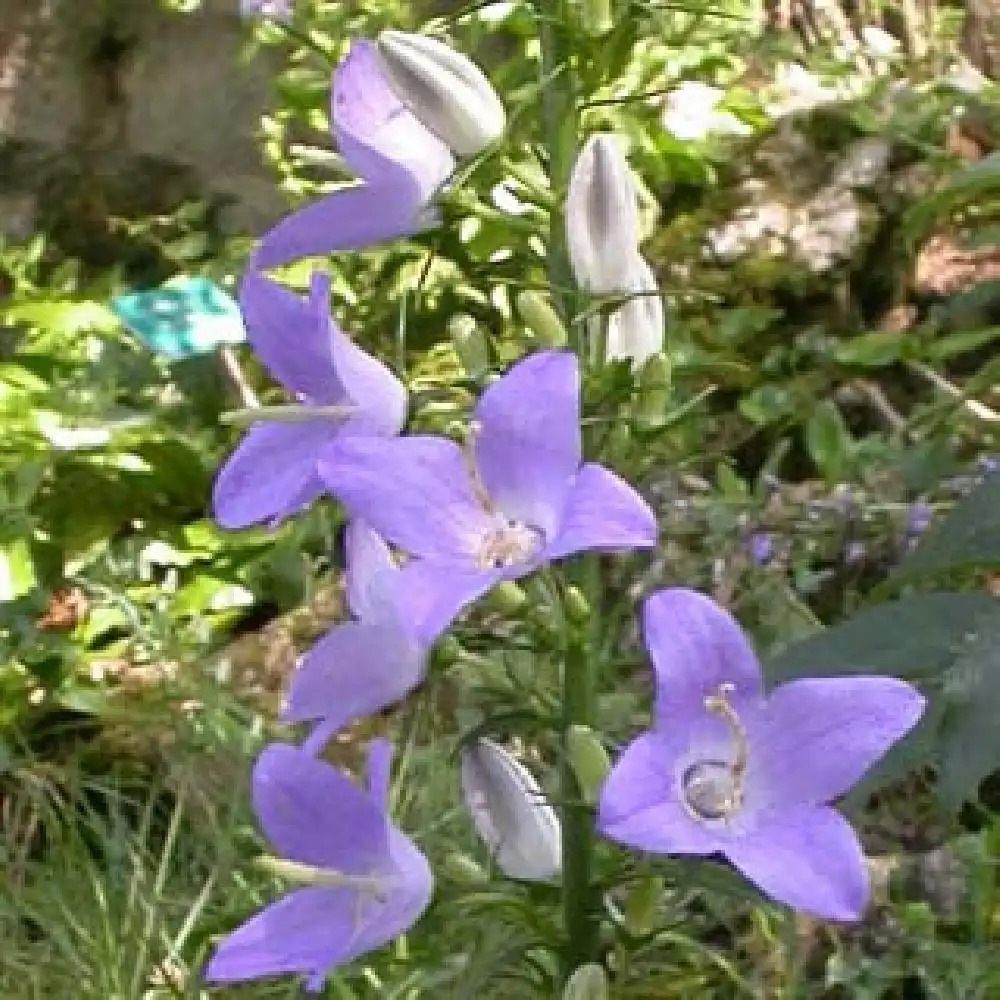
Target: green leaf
{"x": 17, "y": 569}
{"x": 63, "y": 316}
{"x": 969, "y": 741}
{"x": 828, "y": 441}
{"x": 915, "y": 638}
{"x": 961, "y": 343}
{"x": 870, "y": 350}
{"x": 968, "y": 536}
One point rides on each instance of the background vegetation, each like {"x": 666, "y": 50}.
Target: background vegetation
{"x": 830, "y": 260}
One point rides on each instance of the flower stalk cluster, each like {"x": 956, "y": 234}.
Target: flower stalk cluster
{"x": 436, "y": 524}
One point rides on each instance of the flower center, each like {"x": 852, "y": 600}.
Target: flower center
{"x": 713, "y": 789}
{"x": 507, "y": 543}
{"x": 710, "y": 790}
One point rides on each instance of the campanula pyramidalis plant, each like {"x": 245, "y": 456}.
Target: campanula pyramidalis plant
{"x": 517, "y": 496}
{"x": 341, "y": 389}
{"x": 360, "y": 666}
{"x": 365, "y": 880}
{"x": 434, "y": 523}
{"x": 727, "y": 769}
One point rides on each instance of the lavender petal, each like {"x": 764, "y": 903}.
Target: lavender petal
{"x": 640, "y": 802}
{"x": 271, "y": 474}
{"x": 314, "y": 814}
{"x": 696, "y": 646}
{"x": 602, "y": 512}
{"x": 808, "y": 858}
{"x": 818, "y": 736}
{"x": 415, "y": 491}
{"x": 527, "y": 442}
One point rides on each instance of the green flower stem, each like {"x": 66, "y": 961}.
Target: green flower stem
{"x": 581, "y": 914}
{"x": 560, "y": 120}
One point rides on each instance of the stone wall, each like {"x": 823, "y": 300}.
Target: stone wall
{"x": 124, "y": 92}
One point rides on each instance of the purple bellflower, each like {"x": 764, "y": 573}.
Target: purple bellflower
{"x": 399, "y": 162}
{"x": 280, "y": 10}
{"x": 727, "y": 770}
{"x": 272, "y": 473}
{"x": 516, "y": 497}
{"x": 360, "y": 666}
{"x": 366, "y": 882}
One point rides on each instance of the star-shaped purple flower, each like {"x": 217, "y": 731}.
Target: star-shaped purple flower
{"x": 363, "y": 665}
{"x": 368, "y": 881}
{"x": 400, "y": 162}
{"x": 727, "y": 770}
{"x": 517, "y": 497}
{"x": 272, "y": 473}
{"x": 280, "y": 10}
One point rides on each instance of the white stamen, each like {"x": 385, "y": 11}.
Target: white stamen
{"x": 508, "y": 542}
{"x": 713, "y": 789}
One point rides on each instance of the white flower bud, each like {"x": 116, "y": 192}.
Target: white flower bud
{"x": 445, "y": 90}
{"x": 510, "y": 812}
{"x": 635, "y": 331}
{"x": 588, "y": 982}
{"x": 602, "y": 216}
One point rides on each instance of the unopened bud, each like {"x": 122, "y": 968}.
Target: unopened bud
{"x": 511, "y": 813}
{"x": 506, "y": 598}
{"x": 602, "y": 216}
{"x": 588, "y": 982}
{"x": 462, "y": 869}
{"x": 470, "y": 344}
{"x": 444, "y": 89}
{"x": 654, "y": 390}
{"x": 448, "y": 651}
{"x": 539, "y": 316}
{"x": 595, "y": 17}
{"x": 635, "y": 331}
{"x": 589, "y": 761}
{"x": 641, "y": 904}
{"x": 576, "y": 606}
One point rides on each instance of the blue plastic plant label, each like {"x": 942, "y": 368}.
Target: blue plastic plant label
{"x": 185, "y": 316}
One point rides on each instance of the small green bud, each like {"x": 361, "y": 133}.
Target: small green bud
{"x": 539, "y": 316}
{"x": 470, "y": 344}
{"x": 448, "y": 651}
{"x": 589, "y": 761}
{"x": 640, "y": 906}
{"x": 462, "y": 869}
{"x": 576, "y": 605}
{"x": 506, "y": 598}
{"x": 654, "y": 391}
{"x": 596, "y": 17}
{"x": 588, "y": 982}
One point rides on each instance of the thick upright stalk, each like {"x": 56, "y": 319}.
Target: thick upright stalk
{"x": 581, "y": 915}
{"x": 559, "y": 115}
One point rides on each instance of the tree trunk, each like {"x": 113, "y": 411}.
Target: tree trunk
{"x": 981, "y": 36}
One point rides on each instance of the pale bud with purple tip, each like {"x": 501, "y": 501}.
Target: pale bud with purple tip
{"x": 510, "y": 813}
{"x": 447, "y": 92}
{"x": 602, "y": 238}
